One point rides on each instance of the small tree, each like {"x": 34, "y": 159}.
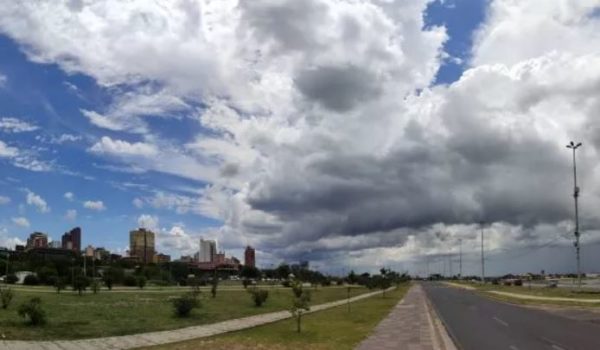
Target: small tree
{"x": 259, "y": 296}
{"x": 80, "y": 284}
{"x": 300, "y": 303}
{"x": 108, "y": 281}
{"x": 246, "y": 283}
{"x": 6, "y": 296}
{"x": 214, "y": 285}
{"x": 95, "y": 286}
{"x": 141, "y": 282}
{"x": 31, "y": 280}
{"x": 59, "y": 284}
{"x": 185, "y": 304}
{"x": 11, "y": 278}
{"x": 130, "y": 281}
{"x": 32, "y": 312}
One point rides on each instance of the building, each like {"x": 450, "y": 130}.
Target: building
{"x": 72, "y": 240}
{"x": 208, "y": 251}
{"x": 220, "y": 259}
{"x": 141, "y": 245}
{"x": 89, "y": 251}
{"x": 37, "y": 240}
{"x": 55, "y": 244}
{"x": 101, "y": 254}
{"x": 250, "y": 257}
{"x": 162, "y": 258}
{"x": 186, "y": 259}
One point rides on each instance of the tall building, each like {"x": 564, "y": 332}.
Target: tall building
{"x": 250, "y": 257}
{"x": 208, "y": 250}
{"x": 55, "y": 244}
{"x": 72, "y": 240}
{"x": 89, "y": 251}
{"x": 141, "y": 245}
{"x": 37, "y": 240}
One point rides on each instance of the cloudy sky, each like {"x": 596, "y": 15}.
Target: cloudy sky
{"x": 354, "y": 134}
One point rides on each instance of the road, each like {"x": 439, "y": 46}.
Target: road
{"x": 479, "y": 323}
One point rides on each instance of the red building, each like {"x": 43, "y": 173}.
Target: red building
{"x": 72, "y": 240}
{"x": 250, "y": 257}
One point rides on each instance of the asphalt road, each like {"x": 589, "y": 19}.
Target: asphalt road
{"x": 479, "y": 323}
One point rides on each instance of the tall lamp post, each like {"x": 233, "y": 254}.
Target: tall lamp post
{"x": 574, "y": 147}
{"x": 482, "y": 257}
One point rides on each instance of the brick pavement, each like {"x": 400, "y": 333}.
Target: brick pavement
{"x": 411, "y": 325}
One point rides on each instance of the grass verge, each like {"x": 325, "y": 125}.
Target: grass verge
{"x": 111, "y": 313}
{"x": 335, "y": 328}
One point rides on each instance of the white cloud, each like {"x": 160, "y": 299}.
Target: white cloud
{"x": 14, "y": 125}
{"x": 7, "y": 241}
{"x": 71, "y": 215}
{"x": 7, "y": 151}
{"x": 21, "y": 221}
{"x": 149, "y": 222}
{"x": 3, "y": 80}
{"x": 59, "y": 140}
{"x": 119, "y": 148}
{"x": 4, "y": 200}
{"x": 69, "y": 196}
{"x": 37, "y": 201}
{"x": 94, "y": 205}
{"x": 138, "y": 203}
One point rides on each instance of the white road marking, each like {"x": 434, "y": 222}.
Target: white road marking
{"x": 512, "y": 347}
{"x": 500, "y": 321}
{"x": 556, "y": 347}
{"x": 553, "y": 344}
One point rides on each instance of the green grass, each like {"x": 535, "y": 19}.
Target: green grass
{"x": 539, "y": 292}
{"x": 118, "y": 313}
{"x": 334, "y": 328}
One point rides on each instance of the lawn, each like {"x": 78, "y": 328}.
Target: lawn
{"x": 334, "y": 328}
{"x": 118, "y": 313}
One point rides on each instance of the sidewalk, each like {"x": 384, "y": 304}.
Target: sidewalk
{"x": 535, "y": 297}
{"x": 411, "y": 325}
{"x": 164, "y": 337}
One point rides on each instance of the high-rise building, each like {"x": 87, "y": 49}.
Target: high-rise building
{"x": 55, "y": 244}
{"x": 208, "y": 250}
{"x": 250, "y": 257}
{"x": 37, "y": 240}
{"x": 141, "y": 245}
{"x": 72, "y": 240}
{"x": 89, "y": 251}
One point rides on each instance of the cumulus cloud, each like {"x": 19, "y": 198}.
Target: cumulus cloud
{"x": 37, "y": 201}
{"x": 21, "y": 222}
{"x": 14, "y": 125}
{"x": 8, "y": 240}
{"x": 3, "y": 80}
{"x": 69, "y": 196}
{"x": 71, "y": 214}
{"x": 320, "y": 131}
{"x": 7, "y": 151}
{"x": 149, "y": 222}
{"x": 94, "y": 205}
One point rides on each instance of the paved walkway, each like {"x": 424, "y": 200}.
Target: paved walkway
{"x": 411, "y": 325}
{"x": 164, "y": 337}
{"x": 535, "y": 297}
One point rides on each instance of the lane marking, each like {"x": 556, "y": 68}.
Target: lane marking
{"x": 556, "y": 347}
{"x": 500, "y": 321}
{"x": 512, "y": 347}
{"x": 553, "y": 343}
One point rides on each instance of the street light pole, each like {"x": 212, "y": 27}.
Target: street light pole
{"x": 460, "y": 258}
{"x": 482, "y": 257}
{"x": 574, "y": 147}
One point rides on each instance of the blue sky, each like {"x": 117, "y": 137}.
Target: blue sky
{"x": 51, "y": 100}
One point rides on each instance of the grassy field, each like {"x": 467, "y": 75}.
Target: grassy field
{"x": 117, "y": 313}
{"x": 335, "y": 328}
{"x": 539, "y": 292}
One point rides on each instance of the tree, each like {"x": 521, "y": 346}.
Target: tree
{"x": 47, "y": 275}
{"x": 80, "y": 284}
{"x": 215, "y": 284}
{"x": 11, "y": 278}
{"x": 300, "y": 303}
{"x": 108, "y": 281}
{"x": 6, "y": 296}
{"x": 352, "y": 278}
{"x": 59, "y": 284}
{"x": 31, "y": 280}
{"x": 32, "y": 312}
{"x": 130, "y": 281}
{"x": 95, "y": 286}
{"x": 141, "y": 282}
{"x": 250, "y": 272}
{"x": 283, "y": 271}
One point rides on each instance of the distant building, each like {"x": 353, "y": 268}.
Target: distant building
{"x": 141, "y": 245}
{"x": 162, "y": 258}
{"x": 250, "y": 257}
{"x": 37, "y": 240}
{"x": 72, "y": 240}
{"x": 208, "y": 251}
{"x": 89, "y": 251}
{"x": 55, "y": 244}
{"x": 186, "y": 259}
{"x": 220, "y": 259}
{"x": 101, "y": 254}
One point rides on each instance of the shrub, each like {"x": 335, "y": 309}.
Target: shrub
{"x": 80, "y": 284}
{"x": 518, "y": 283}
{"x": 259, "y": 296}
{"x": 31, "y": 280}
{"x": 185, "y": 304}
{"x": 12, "y": 278}
{"x": 6, "y": 296}
{"x": 32, "y": 312}
{"x": 130, "y": 281}
{"x": 95, "y": 286}
{"x": 246, "y": 283}
{"x": 141, "y": 282}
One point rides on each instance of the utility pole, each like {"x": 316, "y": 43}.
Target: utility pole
{"x": 460, "y": 258}
{"x": 574, "y": 147}
{"x": 482, "y": 257}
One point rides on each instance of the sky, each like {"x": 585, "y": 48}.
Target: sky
{"x": 353, "y": 134}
